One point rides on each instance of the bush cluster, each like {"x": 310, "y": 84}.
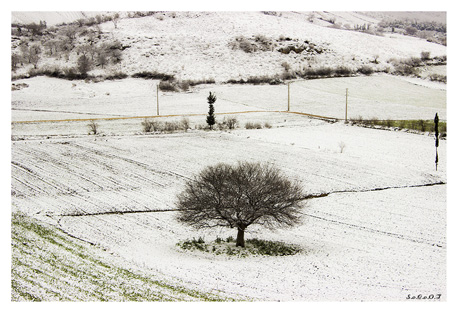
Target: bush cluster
{"x": 410, "y": 66}
{"x": 173, "y": 86}
{"x": 69, "y": 73}
{"x": 228, "y": 123}
{"x": 253, "y": 247}
{"x": 153, "y": 75}
{"x": 437, "y": 77}
{"x": 257, "y": 125}
{"x": 176, "y": 85}
{"x": 328, "y": 72}
{"x": 255, "y": 80}
{"x": 250, "y": 45}
{"x": 149, "y": 125}
{"x": 415, "y": 124}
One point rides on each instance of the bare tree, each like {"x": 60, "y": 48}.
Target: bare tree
{"x": 239, "y": 196}
{"x": 102, "y": 58}
{"x": 15, "y": 59}
{"x": 115, "y": 19}
{"x": 52, "y": 45}
{"x": 34, "y": 55}
{"x": 70, "y": 32}
{"x": 84, "y": 65}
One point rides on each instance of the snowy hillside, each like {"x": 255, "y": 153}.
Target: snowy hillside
{"x": 206, "y": 45}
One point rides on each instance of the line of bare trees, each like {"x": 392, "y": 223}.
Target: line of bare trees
{"x": 33, "y": 42}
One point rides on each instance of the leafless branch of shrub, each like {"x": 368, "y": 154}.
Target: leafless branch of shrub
{"x": 93, "y": 127}
{"x": 342, "y": 146}
{"x": 252, "y": 125}
{"x": 185, "y": 124}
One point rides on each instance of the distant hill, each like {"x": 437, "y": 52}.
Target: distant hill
{"x": 224, "y": 46}
{"x": 50, "y": 17}
{"x": 420, "y": 16}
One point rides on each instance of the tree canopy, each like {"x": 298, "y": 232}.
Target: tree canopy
{"x": 238, "y": 196}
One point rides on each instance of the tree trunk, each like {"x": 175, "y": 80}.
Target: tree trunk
{"x": 240, "y": 238}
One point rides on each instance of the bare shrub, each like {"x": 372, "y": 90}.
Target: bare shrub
{"x": 152, "y": 75}
{"x": 221, "y": 126}
{"x": 196, "y": 82}
{"x": 286, "y": 66}
{"x": 425, "y": 55}
{"x": 405, "y": 70}
{"x": 116, "y": 75}
{"x": 172, "y": 126}
{"x": 411, "y": 30}
{"x": 185, "y": 124}
{"x": 244, "y": 44}
{"x": 322, "y": 71}
{"x": 342, "y": 146}
{"x": 231, "y": 122}
{"x": 147, "y": 125}
{"x": 437, "y": 77}
{"x": 253, "y": 125}
{"x": 264, "y": 43}
{"x": 174, "y": 85}
{"x": 168, "y": 86}
{"x": 343, "y": 71}
{"x": 156, "y": 126}
{"x": 413, "y": 61}
{"x": 356, "y": 120}
{"x": 365, "y": 70}
{"x": 93, "y": 127}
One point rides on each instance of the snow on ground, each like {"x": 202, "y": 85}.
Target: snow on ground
{"x": 380, "y": 96}
{"x": 357, "y": 247}
{"x": 380, "y": 234}
{"x": 196, "y": 45}
{"x": 153, "y": 46}
{"x": 358, "y": 244}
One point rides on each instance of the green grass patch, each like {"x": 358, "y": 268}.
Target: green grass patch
{"x": 253, "y": 247}
{"x": 49, "y": 265}
{"x": 420, "y": 125}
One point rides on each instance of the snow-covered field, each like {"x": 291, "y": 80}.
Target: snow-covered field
{"x": 105, "y": 202}
{"x": 360, "y": 242}
{"x": 380, "y": 96}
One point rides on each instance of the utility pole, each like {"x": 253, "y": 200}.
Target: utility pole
{"x": 346, "y": 115}
{"x": 157, "y": 99}
{"x": 288, "y": 96}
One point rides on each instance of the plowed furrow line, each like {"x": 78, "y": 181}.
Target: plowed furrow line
{"x": 34, "y": 190}
{"x": 45, "y": 180}
{"x": 128, "y": 160}
{"x": 368, "y": 229}
{"x": 90, "y": 177}
{"x": 63, "y": 167}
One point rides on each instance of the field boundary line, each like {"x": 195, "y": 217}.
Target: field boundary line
{"x": 311, "y": 196}
{"x": 164, "y": 116}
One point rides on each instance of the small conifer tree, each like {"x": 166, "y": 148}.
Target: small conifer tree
{"x": 211, "y": 119}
